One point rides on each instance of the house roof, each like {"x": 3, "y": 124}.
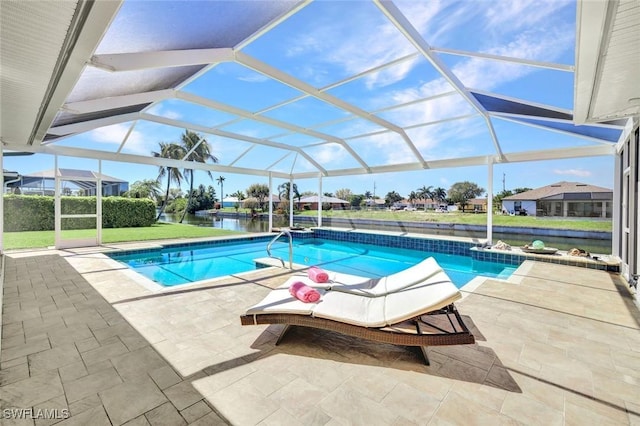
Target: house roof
{"x": 557, "y": 189}
{"x": 72, "y": 173}
{"x": 314, "y": 199}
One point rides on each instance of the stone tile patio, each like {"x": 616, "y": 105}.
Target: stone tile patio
{"x": 555, "y": 345}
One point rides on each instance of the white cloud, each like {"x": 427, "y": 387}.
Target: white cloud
{"x": 328, "y": 155}
{"x": 253, "y": 78}
{"x": 516, "y": 14}
{"x": 162, "y": 111}
{"x": 115, "y": 134}
{"x": 573, "y": 172}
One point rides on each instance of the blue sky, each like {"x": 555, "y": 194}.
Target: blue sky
{"x": 319, "y": 46}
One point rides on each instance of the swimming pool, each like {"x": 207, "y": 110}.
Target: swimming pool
{"x": 183, "y": 264}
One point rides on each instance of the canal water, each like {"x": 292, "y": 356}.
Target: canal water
{"x": 245, "y": 224}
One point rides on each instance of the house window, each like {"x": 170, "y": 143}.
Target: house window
{"x": 517, "y": 206}
{"x": 550, "y": 208}
{"x": 590, "y": 209}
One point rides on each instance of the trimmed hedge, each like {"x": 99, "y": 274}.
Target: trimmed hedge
{"x": 36, "y": 213}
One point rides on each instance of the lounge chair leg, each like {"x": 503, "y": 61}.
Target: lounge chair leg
{"x": 282, "y": 333}
{"x": 423, "y": 349}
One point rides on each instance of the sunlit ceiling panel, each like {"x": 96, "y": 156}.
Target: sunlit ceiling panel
{"x": 96, "y": 83}
{"x": 68, "y": 117}
{"x": 147, "y": 26}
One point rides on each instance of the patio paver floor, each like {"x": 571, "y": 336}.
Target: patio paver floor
{"x": 555, "y": 345}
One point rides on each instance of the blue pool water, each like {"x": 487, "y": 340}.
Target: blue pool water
{"x": 172, "y": 266}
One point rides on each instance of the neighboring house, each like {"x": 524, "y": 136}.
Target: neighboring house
{"x": 476, "y": 205}
{"x": 275, "y": 200}
{"x": 312, "y": 202}
{"x": 9, "y": 178}
{"x": 73, "y": 180}
{"x": 562, "y": 199}
{"x": 376, "y": 203}
{"x": 231, "y": 202}
{"x": 418, "y": 203}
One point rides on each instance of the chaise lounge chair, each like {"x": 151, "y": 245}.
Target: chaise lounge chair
{"x": 413, "y": 307}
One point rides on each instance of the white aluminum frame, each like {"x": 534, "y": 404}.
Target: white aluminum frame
{"x": 64, "y": 243}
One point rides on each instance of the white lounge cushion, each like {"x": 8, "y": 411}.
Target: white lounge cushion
{"x": 362, "y": 306}
{"x": 351, "y": 309}
{"x": 431, "y": 295}
{"x": 389, "y": 284}
{"x": 434, "y": 293}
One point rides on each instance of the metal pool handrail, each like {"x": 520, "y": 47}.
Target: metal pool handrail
{"x": 287, "y": 233}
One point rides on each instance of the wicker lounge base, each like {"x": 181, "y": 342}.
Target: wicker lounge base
{"x": 437, "y": 328}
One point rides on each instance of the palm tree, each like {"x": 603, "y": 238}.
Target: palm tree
{"x": 425, "y": 193}
{"x": 284, "y": 191}
{"x": 173, "y": 174}
{"x": 412, "y": 197}
{"x": 198, "y": 150}
{"x": 220, "y": 181}
{"x": 440, "y": 194}
{"x": 239, "y": 195}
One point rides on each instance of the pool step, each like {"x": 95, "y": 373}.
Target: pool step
{"x": 265, "y": 262}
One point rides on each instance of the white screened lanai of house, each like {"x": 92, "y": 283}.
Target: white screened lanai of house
{"x": 312, "y": 90}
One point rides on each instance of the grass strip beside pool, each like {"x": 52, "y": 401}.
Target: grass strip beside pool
{"x": 160, "y": 231}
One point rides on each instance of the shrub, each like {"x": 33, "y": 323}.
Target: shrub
{"x": 177, "y": 206}
{"x": 36, "y": 213}
{"x": 251, "y": 204}
{"x": 28, "y": 213}
{"x": 119, "y": 212}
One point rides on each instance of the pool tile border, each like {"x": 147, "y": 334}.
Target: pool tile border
{"x": 516, "y": 258}
{"x": 462, "y": 248}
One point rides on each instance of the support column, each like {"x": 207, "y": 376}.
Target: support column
{"x": 1, "y": 204}
{"x": 270, "y": 203}
{"x": 290, "y": 202}
{"x": 57, "y": 204}
{"x": 320, "y": 200}
{"x": 616, "y": 213}
{"x": 99, "y": 205}
{"x": 490, "y": 201}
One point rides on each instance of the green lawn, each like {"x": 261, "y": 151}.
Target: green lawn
{"x": 470, "y": 219}
{"x": 34, "y": 239}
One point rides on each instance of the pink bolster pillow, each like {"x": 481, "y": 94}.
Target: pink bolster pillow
{"x": 304, "y": 293}
{"x": 318, "y": 275}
